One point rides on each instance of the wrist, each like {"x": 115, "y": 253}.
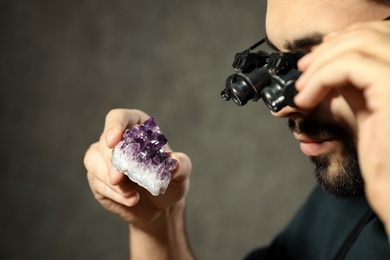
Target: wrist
{"x": 164, "y": 238}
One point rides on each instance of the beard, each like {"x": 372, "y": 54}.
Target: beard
{"x": 340, "y": 176}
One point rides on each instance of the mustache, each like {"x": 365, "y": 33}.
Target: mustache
{"x": 313, "y": 127}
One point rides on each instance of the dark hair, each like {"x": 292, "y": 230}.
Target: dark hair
{"x": 382, "y": 2}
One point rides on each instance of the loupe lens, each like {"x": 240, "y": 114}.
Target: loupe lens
{"x": 237, "y": 96}
{"x": 239, "y": 90}
{"x": 269, "y": 95}
{"x": 242, "y": 87}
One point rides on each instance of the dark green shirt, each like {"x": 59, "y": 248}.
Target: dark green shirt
{"x": 322, "y": 226}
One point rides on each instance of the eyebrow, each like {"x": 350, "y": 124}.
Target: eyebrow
{"x": 299, "y": 43}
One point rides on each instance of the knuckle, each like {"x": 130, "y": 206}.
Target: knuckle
{"x": 88, "y": 157}
{"x": 112, "y": 112}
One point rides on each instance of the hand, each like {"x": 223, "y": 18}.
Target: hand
{"x": 356, "y": 62}
{"x": 115, "y": 191}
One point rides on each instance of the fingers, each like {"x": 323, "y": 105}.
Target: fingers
{"x": 179, "y": 185}
{"x": 124, "y": 192}
{"x": 117, "y": 121}
{"x": 183, "y": 168}
{"x": 109, "y": 185}
{"x": 115, "y": 176}
{"x": 103, "y": 192}
{"x": 369, "y": 38}
{"x": 344, "y": 59}
{"x": 315, "y": 85}
{"x": 116, "y": 186}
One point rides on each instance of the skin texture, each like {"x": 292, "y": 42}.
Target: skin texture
{"x": 356, "y": 97}
{"x": 156, "y": 224}
{"x": 345, "y": 80}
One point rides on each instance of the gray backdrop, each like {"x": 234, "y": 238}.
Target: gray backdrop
{"x": 65, "y": 64}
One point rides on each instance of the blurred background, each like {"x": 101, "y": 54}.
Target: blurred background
{"x": 65, "y": 64}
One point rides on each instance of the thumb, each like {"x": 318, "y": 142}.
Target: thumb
{"x": 183, "y": 168}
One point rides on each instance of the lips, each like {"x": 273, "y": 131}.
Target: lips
{"x": 314, "y": 146}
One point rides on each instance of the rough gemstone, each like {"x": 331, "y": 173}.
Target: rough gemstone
{"x": 140, "y": 155}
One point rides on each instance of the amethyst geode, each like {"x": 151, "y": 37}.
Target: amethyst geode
{"x": 140, "y": 156}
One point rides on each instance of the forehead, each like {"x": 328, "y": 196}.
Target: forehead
{"x": 288, "y": 20}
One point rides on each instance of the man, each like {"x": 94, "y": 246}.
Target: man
{"x": 342, "y": 121}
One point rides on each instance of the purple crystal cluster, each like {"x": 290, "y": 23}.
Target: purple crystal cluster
{"x": 140, "y": 155}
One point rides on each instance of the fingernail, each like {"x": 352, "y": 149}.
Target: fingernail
{"x": 133, "y": 200}
{"x": 297, "y": 98}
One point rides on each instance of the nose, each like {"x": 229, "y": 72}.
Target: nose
{"x": 291, "y": 112}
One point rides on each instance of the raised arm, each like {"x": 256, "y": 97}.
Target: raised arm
{"x": 356, "y": 62}
{"x": 156, "y": 224}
